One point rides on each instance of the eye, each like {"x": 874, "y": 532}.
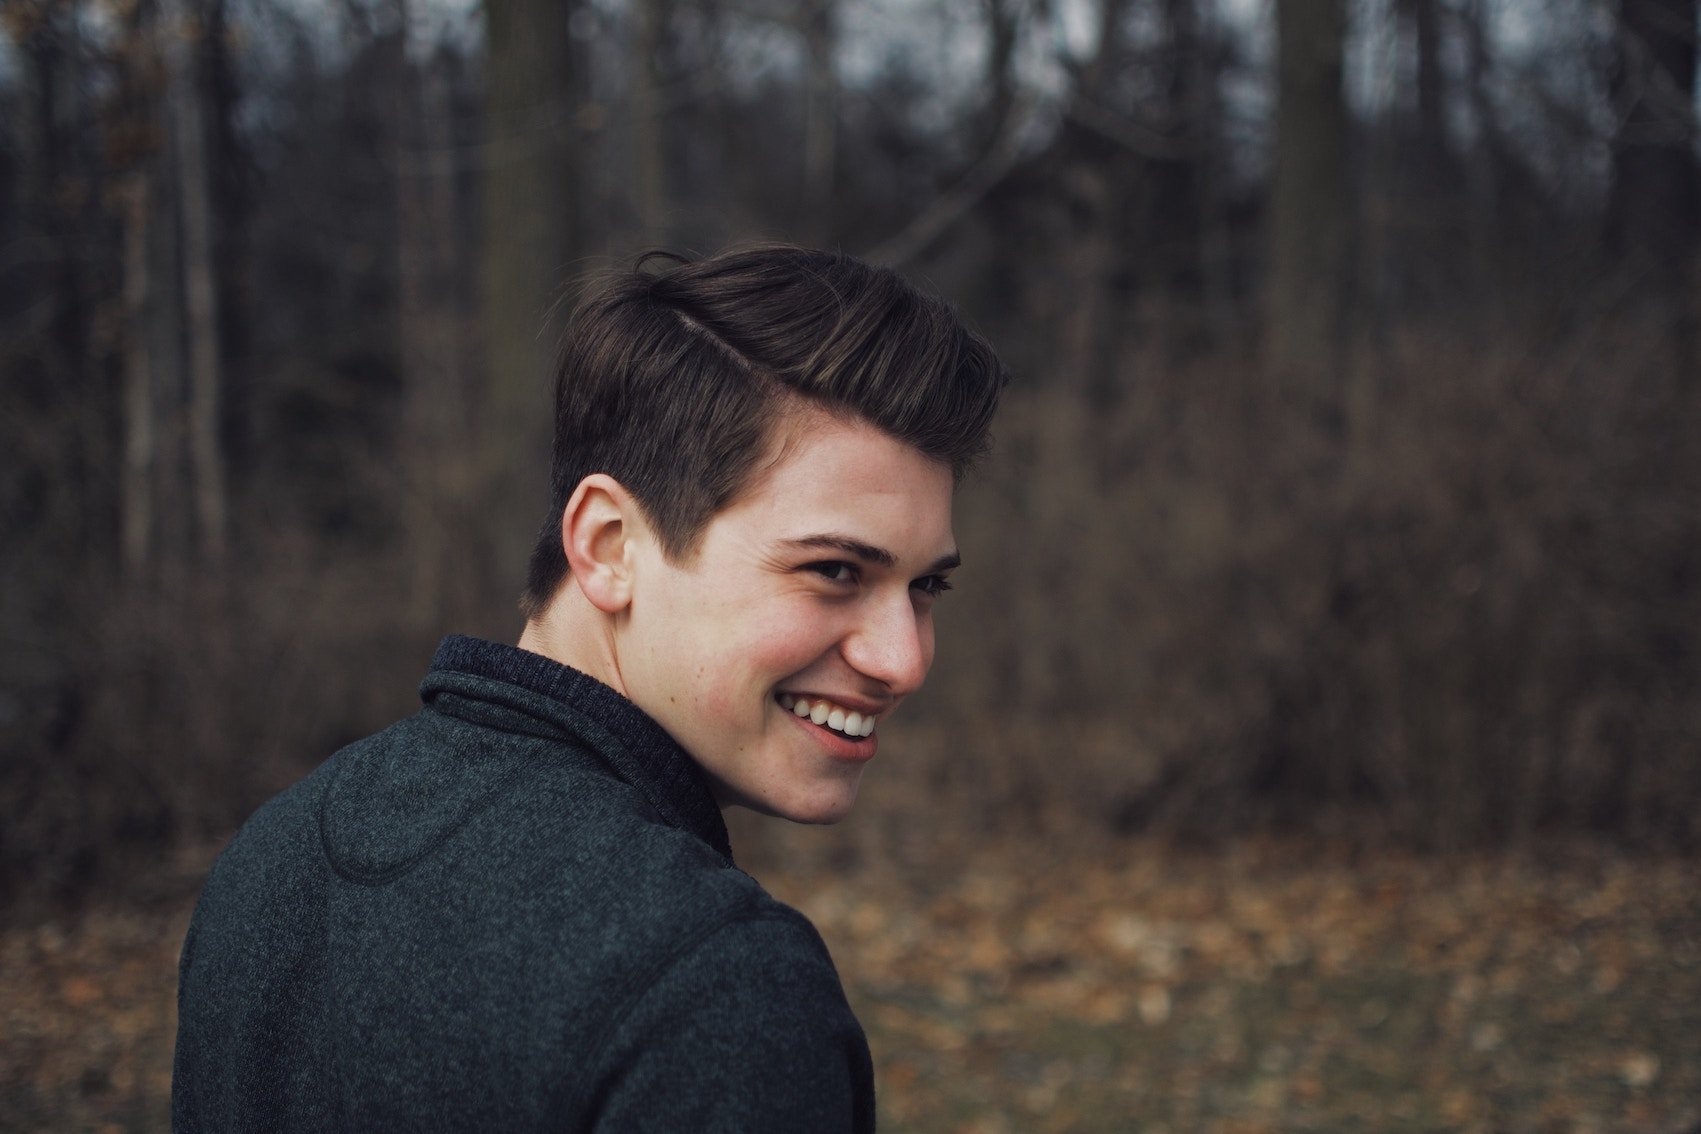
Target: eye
{"x": 931, "y": 585}
{"x": 834, "y": 570}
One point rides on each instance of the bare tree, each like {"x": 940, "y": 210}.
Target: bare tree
{"x": 816, "y": 21}
{"x": 648, "y": 126}
{"x": 437, "y": 481}
{"x": 200, "y": 291}
{"x": 1654, "y": 209}
{"x": 1309, "y": 202}
{"x": 529, "y": 207}
{"x": 138, "y": 58}
{"x": 141, "y": 442}
{"x": 1423, "y": 19}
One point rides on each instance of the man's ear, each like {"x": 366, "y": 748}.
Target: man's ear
{"x": 598, "y": 530}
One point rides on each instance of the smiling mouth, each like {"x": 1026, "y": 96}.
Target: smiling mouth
{"x": 848, "y": 723}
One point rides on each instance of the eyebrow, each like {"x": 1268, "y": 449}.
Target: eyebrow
{"x": 868, "y": 552}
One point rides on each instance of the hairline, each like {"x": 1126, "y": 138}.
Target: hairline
{"x": 796, "y": 417}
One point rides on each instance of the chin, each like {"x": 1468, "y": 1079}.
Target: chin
{"x": 821, "y": 808}
{"x": 822, "y": 817}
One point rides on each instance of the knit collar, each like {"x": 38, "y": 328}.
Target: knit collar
{"x": 627, "y": 739}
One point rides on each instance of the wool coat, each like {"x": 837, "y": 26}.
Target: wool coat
{"x": 515, "y": 910}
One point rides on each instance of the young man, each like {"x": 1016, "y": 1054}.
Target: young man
{"x": 517, "y": 909}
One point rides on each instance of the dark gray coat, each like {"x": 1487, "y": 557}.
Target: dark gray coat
{"x": 514, "y": 910}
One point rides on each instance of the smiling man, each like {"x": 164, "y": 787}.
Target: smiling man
{"x": 517, "y": 909}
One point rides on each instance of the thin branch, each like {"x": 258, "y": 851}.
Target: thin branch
{"x": 1125, "y": 132}
{"x": 950, "y": 207}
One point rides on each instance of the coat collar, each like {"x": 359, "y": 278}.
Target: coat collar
{"x": 562, "y": 699}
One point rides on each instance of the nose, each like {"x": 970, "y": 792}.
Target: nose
{"x": 892, "y": 643}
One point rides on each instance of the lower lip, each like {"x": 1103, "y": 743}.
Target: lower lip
{"x": 836, "y": 745}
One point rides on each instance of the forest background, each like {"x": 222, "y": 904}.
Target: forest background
{"x": 1348, "y": 487}
{"x": 1349, "y": 479}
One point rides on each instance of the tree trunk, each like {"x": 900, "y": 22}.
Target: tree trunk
{"x": 648, "y": 134}
{"x": 200, "y": 294}
{"x": 1177, "y": 219}
{"x": 140, "y": 441}
{"x": 529, "y": 205}
{"x": 53, "y": 182}
{"x": 820, "y": 120}
{"x": 1002, "y": 31}
{"x": 1482, "y": 167}
{"x": 434, "y": 460}
{"x": 1307, "y": 228}
{"x": 1654, "y": 210}
{"x": 1431, "y": 112}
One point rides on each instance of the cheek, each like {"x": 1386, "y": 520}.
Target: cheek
{"x": 787, "y": 638}
{"x": 737, "y": 662}
{"x": 734, "y": 682}
{"x": 723, "y": 700}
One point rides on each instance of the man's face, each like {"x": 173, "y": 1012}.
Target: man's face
{"x": 802, "y": 619}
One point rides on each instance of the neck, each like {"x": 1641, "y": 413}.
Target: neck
{"x": 575, "y": 633}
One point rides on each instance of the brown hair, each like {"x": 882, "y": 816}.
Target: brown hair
{"x": 671, "y": 374}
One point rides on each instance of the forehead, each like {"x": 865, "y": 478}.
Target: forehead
{"x": 822, "y": 468}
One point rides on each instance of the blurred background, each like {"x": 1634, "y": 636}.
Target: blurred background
{"x": 1344, "y": 517}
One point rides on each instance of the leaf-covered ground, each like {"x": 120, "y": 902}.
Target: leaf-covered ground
{"x": 1266, "y": 988}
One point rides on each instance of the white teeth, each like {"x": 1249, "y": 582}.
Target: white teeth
{"x": 835, "y": 717}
